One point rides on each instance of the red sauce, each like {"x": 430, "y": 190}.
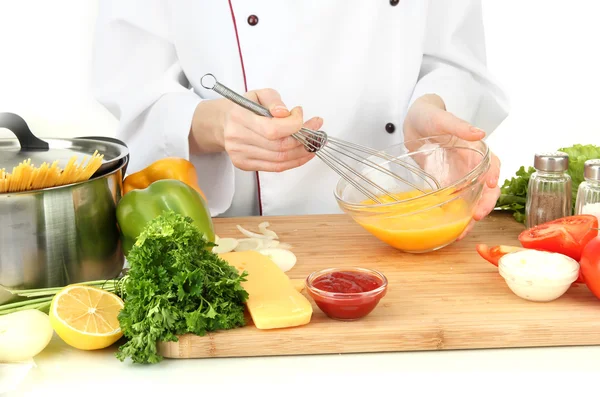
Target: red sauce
{"x": 347, "y": 295}
{"x": 347, "y": 282}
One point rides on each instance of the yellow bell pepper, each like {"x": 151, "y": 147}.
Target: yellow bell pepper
{"x": 167, "y": 168}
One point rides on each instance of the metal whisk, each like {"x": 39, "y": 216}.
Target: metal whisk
{"x": 328, "y": 148}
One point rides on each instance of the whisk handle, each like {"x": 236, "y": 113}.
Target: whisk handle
{"x": 313, "y": 141}
{"x": 233, "y": 96}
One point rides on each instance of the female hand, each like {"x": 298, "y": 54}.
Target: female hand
{"x": 427, "y": 117}
{"x": 254, "y": 143}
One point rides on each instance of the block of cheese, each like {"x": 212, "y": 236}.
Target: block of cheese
{"x": 298, "y": 284}
{"x": 273, "y": 301}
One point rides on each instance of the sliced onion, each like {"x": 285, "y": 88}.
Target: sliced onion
{"x": 269, "y": 233}
{"x": 225, "y": 245}
{"x": 267, "y": 241}
{"x": 283, "y": 258}
{"x": 270, "y": 243}
{"x": 250, "y": 234}
{"x": 249, "y": 244}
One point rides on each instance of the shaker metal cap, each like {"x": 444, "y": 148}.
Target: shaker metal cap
{"x": 591, "y": 169}
{"x": 551, "y": 161}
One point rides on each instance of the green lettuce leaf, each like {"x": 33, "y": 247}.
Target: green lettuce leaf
{"x": 513, "y": 194}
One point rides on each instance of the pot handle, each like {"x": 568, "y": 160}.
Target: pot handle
{"x": 19, "y": 127}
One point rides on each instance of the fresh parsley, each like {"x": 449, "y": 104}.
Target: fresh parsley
{"x": 176, "y": 285}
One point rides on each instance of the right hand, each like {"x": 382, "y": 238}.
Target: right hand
{"x": 258, "y": 143}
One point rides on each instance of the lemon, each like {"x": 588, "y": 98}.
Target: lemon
{"x": 85, "y": 317}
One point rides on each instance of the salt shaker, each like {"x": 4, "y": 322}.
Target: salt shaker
{"x": 588, "y": 194}
{"x": 549, "y": 194}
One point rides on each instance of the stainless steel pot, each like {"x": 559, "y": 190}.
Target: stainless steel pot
{"x": 56, "y": 236}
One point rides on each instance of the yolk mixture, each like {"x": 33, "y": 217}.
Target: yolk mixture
{"x": 426, "y": 229}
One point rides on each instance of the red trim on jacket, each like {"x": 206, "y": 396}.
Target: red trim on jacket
{"x": 245, "y": 88}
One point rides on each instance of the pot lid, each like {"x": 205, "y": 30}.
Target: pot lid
{"x": 27, "y": 146}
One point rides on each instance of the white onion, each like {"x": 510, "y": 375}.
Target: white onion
{"x": 24, "y": 334}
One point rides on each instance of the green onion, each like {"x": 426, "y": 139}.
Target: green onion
{"x": 51, "y": 291}
{"x": 42, "y": 297}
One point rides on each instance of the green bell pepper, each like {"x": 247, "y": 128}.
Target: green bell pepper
{"x": 138, "y": 207}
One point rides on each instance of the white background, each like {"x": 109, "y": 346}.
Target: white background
{"x": 545, "y": 53}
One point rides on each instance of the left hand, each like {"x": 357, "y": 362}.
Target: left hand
{"x": 428, "y": 117}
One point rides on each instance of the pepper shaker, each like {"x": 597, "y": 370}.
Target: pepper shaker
{"x": 588, "y": 194}
{"x": 549, "y": 194}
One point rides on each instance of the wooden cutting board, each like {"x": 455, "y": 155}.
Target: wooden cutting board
{"x": 450, "y": 299}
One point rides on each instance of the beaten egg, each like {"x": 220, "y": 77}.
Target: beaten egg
{"x": 428, "y": 223}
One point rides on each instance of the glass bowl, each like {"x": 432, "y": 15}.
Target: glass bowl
{"x": 421, "y": 216}
{"x": 347, "y": 298}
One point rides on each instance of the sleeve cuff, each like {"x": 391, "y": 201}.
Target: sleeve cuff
{"x": 480, "y": 104}
{"x": 459, "y": 91}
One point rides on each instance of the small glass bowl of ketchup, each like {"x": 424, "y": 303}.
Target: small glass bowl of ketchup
{"x": 346, "y": 294}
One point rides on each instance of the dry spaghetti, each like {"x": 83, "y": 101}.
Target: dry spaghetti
{"x": 27, "y": 177}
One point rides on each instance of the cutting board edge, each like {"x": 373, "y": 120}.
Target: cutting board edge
{"x": 164, "y": 350}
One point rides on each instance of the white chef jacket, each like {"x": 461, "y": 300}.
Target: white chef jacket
{"x": 357, "y": 64}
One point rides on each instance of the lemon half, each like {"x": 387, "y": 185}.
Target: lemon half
{"x": 85, "y": 317}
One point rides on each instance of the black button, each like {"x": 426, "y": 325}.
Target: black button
{"x": 252, "y": 20}
{"x": 394, "y": 2}
{"x": 389, "y": 127}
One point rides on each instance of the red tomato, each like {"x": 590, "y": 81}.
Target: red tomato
{"x": 494, "y": 254}
{"x": 567, "y": 236}
{"x": 590, "y": 266}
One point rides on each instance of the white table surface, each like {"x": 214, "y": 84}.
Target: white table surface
{"x": 63, "y": 371}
